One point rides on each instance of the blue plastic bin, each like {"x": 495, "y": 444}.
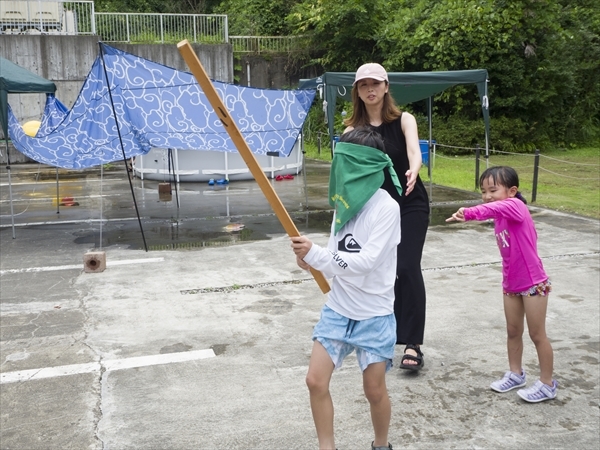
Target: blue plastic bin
{"x": 424, "y": 144}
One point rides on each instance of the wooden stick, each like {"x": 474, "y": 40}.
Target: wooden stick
{"x": 209, "y": 90}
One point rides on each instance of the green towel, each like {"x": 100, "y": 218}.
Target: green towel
{"x": 356, "y": 174}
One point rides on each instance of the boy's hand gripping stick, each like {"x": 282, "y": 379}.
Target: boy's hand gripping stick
{"x": 199, "y": 73}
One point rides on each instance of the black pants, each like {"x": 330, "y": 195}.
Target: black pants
{"x": 409, "y": 290}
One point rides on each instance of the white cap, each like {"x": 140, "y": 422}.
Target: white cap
{"x": 371, "y": 70}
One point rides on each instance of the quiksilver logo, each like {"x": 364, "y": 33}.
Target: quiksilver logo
{"x": 348, "y": 244}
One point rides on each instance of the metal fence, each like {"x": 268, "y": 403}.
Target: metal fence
{"x": 264, "y": 44}
{"x": 79, "y": 17}
{"x": 161, "y": 28}
{"x": 47, "y": 16}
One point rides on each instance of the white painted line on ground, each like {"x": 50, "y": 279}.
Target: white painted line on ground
{"x": 80, "y": 266}
{"x": 48, "y": 372}
{"x": 70, "y": 222}
{"x": 153, "y": 360}
{"x": 63, "y": 182}
{"x": 7, "y": 309}
{"x": 108, "y": 365}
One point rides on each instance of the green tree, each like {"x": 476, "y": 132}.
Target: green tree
{"x": 256, "y": 17}
{"x": 341, "y": 35}
{"x": 533, "y": 50}
{"x": 157, "y": 6}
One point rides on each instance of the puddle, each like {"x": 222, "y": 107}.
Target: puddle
{"x": 184, "y": 235}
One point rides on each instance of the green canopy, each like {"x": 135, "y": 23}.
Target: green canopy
{"x": 16, "y": 80}
{"x": 405, "y": 87}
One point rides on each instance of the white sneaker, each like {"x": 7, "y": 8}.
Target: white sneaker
{"x": 509, "y": 381}
{"x": 539, "y": 392}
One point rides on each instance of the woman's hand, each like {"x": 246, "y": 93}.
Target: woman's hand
{"x": 458, "y": 216}
{"x": 411, "y": 179}
{"x": 413, "y": 150}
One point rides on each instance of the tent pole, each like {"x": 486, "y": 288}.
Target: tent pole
{"x": 429, "y": 119}
{"x": 57, "y": 194}
{"x": 177, "y": 164}
{"x": 175, "y": 181}
{"x": 303, "y": 153}
{"x": 122, "y": 148}
{"x": 487, "y": 145}
{"x": 101, "y": 204}
{"x": 12, "y": 212}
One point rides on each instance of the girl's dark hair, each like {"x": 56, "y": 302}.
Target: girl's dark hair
{"x": 504, "y": 176}
{"x": 364, "y": 136}
{"x": 360, "y": 117}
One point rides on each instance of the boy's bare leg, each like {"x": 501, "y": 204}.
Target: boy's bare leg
{"x": 381, "y": 408}
{"x": 535, "y": 313}
{"x": 320, "y": 369}
{"x": 514, "y": 310}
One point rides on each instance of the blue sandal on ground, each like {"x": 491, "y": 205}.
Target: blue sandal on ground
{"x": 509, "y": 381}
{"x": 419, "y": 360}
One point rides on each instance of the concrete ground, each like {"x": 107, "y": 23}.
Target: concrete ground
{"x": 203, "y": 341}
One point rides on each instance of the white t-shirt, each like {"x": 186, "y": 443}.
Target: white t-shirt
{"x": 361, "y": 258}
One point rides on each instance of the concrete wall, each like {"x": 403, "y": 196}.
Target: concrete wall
{"x": 270, "y": 71}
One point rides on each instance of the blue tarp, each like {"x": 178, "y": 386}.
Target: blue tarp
{"x": 157, "y": 106}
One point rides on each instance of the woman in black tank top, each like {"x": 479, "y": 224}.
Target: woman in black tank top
{"x": 373, "y": 106}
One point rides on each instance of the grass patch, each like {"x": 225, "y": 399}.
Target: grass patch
{"x": 568, "y": 181}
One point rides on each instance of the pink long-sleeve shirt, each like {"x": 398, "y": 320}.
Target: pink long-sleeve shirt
{"x": 517, "y": 240}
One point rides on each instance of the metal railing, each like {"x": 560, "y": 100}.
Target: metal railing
{"x": 79, "y": 17}
{"x": 47, "y": 17}
{"x": 162, "y": 28}
{"x": 264, "y": 44}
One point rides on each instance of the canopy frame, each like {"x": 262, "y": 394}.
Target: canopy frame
{"x": 16, "y": 80}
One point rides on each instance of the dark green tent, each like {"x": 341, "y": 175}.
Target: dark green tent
{"x": 16, "y": 80}
{"x": 405, "y": 87}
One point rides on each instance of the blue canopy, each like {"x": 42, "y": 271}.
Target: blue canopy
{"x": 157, "y": 106}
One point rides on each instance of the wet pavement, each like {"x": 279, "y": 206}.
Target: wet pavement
{"x": 196, "y": 215}
{"x": 203, "y": 341}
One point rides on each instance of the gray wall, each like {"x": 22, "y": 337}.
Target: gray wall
{"x": 271, "y": 71}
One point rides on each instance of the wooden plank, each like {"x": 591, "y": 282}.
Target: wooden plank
{"x": 229, "y": 124}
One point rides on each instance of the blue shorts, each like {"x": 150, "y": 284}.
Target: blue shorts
{"x": 373, "y": 339}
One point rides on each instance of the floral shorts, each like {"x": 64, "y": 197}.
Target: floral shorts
{"x": 543, "y": 289}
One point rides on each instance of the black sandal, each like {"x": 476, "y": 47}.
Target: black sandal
{"x": 420, "y": 361}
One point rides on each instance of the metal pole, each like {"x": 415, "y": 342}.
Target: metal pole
{"x": 12, "y": 212}
{"x": 137, "y": 211}
{"x": 303, "y": 152}
{"x": 536, "y": 165}
{"x": 57, "y": 194}
{"x": 429, "y": 119}
{"x": 319, "y": 142}
{"x": 101, "y": 204}
{"x": 477, "y": 156}
{"x": 172, "y": 164}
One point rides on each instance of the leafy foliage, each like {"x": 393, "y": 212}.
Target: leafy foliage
{"x": 256, "y": 17}
{"x": 342, "y": 34}
{"x": 542, "y": 56}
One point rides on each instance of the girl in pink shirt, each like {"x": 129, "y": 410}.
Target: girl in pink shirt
{"x": 524, "y": 282}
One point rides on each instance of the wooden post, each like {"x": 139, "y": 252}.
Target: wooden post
{"x": 536, "y": 166}
{"x": 477, "y": 156}
{"x": 230, "y": 126}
